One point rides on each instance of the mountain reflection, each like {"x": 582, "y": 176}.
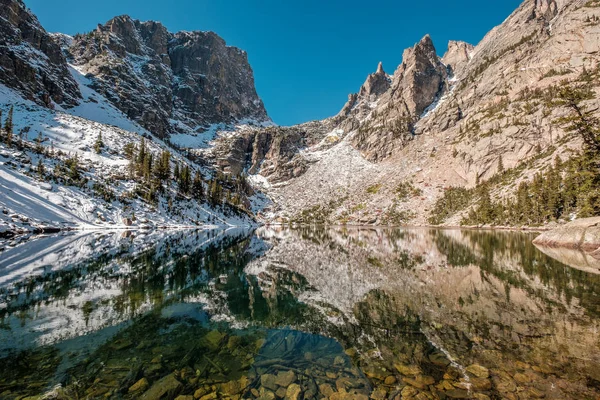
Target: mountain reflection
{"x": 325, "y": 312}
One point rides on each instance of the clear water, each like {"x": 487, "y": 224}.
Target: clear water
{"x": 308, "y": 313}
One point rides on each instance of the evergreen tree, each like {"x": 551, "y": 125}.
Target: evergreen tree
{"x": 9, "y": 127}
{"x": 176, "y": 172}
{"x": 142, "y": 158}
{"x": 197, "y": 187}
{"x": 185, "y": 180}
{"x": 41, "y": 170}
{"x": 581, "y": 120}
{"x": 500, "y": 164}
{"x": 162, "y": 169}
{"x": 73, "y": 168}
{"x": 39, "y": 148}
{"x": 99, "y": 144}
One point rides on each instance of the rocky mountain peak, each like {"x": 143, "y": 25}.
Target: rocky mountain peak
{"x": 168, "y": 82}
{"x": 419, "y": 79}
{"x": 375, "y": 85}
{"x": 31, "y": 62}
{"x": 457, "y": 56}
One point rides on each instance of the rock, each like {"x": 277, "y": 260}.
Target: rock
{"x": 165, "y": 386}
{"x": 280, "y": 393}
{"x": 326, "y": 389}
{"x": 193, "y": 78}
{"x": 457, "y": 394}
{"x": 457, "y": 56}
{"x": 407, "y": 370}
{"x": 478, "y": 371}
{"x": 268, "y": 381}
{"x": 390, "y": 380}
{"x": 210, "y": 396}
{"x": 32, "y": 62}
{"x": 581, "y": 234}
{"x": 439, "y": 359}
{"x": 480, "y": 384}
{"x": 522, "y": 378}
{"x": 338, "y": 361}
{"x": 285, "y": 379}
{"x": 182, "y": 397}
{"x": 379, "y": 394}
{"x": 139, "y": 386}
{"x": 345, "y": 383}
{"x": 213, "y": 339}
{"x": 201, "y": 392}
{"x": 409, "y": 392}
{"x": 420, "y": 382}
{"x": 293, "y": 392}
{"x": 266, "y": 394}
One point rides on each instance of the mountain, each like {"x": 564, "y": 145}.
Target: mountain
{"x": 485, "y": 134}
{"x": 89, "y": 126}
{"x": 168, "y": 82}
{"x": 31, "y": 61}
{"x": 480, "y": 117}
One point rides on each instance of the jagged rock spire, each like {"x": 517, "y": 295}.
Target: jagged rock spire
{"x": 380, "y": 70}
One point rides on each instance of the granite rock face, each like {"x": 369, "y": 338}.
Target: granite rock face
{"x": 168, "y": 82}
{"x": 31, "y": 62}
{"x": 447, "y": 122}
{"x": 457, "y": 56}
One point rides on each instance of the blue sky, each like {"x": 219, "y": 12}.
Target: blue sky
{"x": 307, "y": 55}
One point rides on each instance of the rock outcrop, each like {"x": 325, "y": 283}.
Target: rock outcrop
{"x": 450, "y": 122}
{"x": 31, "y": 62}
{"x": 416, "y": 84}
{"x": 457, "y": 57}
{"x": 168, "y": 82}
{"x": 581, "y": 234}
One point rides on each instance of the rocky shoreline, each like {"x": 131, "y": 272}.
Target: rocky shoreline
{"x": 582, "y": 234}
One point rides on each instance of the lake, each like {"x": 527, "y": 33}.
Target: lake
{"x": 304, "y": 313}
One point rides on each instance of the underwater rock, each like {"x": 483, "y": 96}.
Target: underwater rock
{"x": 408, "y": 370}
{"x": 139, "y": 386}
{"x": 165, "y": 386}
{"x": 478, "y": 371}
{"x": 285, "y": 379}
{"x": 268, "y": 381}
{"x": 293, "y": 392}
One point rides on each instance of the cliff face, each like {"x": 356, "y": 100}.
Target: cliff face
{"x": 450, "y": 121}
{"x": 167, "y": 82}
{"x": 31, "y": 62}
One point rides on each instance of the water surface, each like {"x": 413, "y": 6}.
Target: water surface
{"x": 307, "y": 313}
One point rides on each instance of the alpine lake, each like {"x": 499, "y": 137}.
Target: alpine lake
{"x": 296, "y": 313}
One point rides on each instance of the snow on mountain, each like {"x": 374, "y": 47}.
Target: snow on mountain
{"x": 28, "y": 203}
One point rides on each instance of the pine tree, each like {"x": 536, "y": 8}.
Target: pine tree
{"x": 500, "y": 165}
{"x": 162, "y": 169}
{"x": 73, "y": 165}
{"x": 147, "y": 167}
{"x": 9, "y": 127}
{"x": 41, "y": 170}
{"x": 176, "y": 172}
{"x": 141, "y": 157}
{"x": 99, "y": 144}
{"x": 197, "y": 187}
{"x": 581, "y": 120}
{"x": 185, "y": 180}
{"x": 39, "y": 148}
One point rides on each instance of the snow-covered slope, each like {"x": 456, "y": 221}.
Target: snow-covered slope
{"x": 28, "y": 201}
